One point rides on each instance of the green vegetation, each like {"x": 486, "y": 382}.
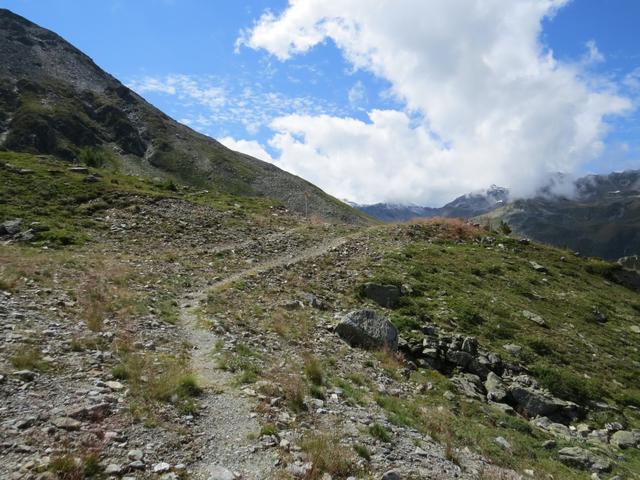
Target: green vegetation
{"x": 327, "y": 456}
{"x": 378, "y": 431}
{"x": 157, "y": 378}
{"x": 269, "y": 429}
{"x": 479, "y": 289}
{"x": 60, "y": 205}
{"x": 313, "y": 371}
{"x": 468, "y": 286}
{"x": 362, "y": 451}
{"x": 29, "y": 358}
{"x": 242, "y": 361}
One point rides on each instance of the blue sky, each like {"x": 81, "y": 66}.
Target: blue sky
{"x": 257, "y": 82}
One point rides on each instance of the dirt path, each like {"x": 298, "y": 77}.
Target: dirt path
{"x": 226, "y": 425}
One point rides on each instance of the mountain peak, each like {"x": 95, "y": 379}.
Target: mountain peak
{"x": 31, "y": 52}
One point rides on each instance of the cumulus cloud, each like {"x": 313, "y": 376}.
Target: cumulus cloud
{"x": 249, "y": 147}
{"x": 496, "y": 106}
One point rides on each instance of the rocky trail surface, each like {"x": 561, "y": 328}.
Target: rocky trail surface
{"x": 227, "y": 419}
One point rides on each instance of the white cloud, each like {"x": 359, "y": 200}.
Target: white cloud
{"x": 497, "y": 106}
{"x": 185, "y": 87}
{"x": 593, "y": 55}
{"x": 632, "y": 80}
{"x": 215, "y": 101}
{"x": 249, "y": 147}
{"x": 357, "y": 94}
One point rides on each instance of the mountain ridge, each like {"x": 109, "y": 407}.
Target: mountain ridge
{"x": 601, "y": 218}
{"x": 54, "y": 99}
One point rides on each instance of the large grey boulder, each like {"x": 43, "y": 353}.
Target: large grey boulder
{"x": 470, "y": 385}
{"x": 11, "y": 227}
{"x": 626, "y": 439}
{"x": 368, "y": 329}
{"x": 582, "y": 458}
{"x": 384, "y": 295}
{"x": 496, "y": 391}
{"x": 532, "y": 402}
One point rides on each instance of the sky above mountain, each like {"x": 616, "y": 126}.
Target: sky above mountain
{"x": 390, "y": 100}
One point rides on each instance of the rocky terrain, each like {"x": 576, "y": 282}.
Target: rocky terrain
{"x": 153, "y": 331}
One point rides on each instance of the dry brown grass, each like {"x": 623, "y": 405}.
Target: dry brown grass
{"x": 492, "y": 472}
{"x": 327, "y": 455}
{"x": 390, "y": 361}
{"x": 19, "y": 264}
{"x": 291, "y": 386}
{"x": 446, "y": 229}
{"x": 103, "y": 292}
{"x": 295, "y": 325}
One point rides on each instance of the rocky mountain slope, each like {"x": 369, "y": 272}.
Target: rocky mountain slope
{"x": 56, "y": 100}
{"x": 159, "y": 332}
{"x": 601, "y": 218}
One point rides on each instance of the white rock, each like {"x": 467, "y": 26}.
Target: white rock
{"x": 161, "y": 467}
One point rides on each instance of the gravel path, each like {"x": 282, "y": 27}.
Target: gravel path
{"x": 225, "y": 433}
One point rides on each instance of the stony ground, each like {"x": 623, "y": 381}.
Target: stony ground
{"x": 188, "y": 342}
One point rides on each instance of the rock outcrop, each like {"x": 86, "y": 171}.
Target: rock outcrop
{"x": 368, "y": 329}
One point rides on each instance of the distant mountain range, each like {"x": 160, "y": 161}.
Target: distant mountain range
{"x": 465, "y": 206}
{"x": 601, "y": 217}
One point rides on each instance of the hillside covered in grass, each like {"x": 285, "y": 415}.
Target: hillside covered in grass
{"x": 150, "y": 313}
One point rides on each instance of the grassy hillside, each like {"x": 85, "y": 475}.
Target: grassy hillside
{"x": 126, "y": 257}
{"x": 468, "y": 281}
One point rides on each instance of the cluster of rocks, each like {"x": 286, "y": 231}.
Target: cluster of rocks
{"x": 16, "y": 230}
{"x": 485, "y": 375}
{"x": 612, "y": 434}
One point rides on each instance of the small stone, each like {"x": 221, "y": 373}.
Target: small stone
{"x": 114, "y": 386}
{"x": 513, "y": 349}
{"x": 25, "y": 375}
{"x": 502, "y": 442}
{"x": 421, "y": 452}
{"x": 537, "y": 267}
{"x": 161, "y": 467}
{"x": 220, "y": 473}
{"x": 534, "y": 317}
{"x": 113, "y": 469}
{"x": 391, "y": 475}
{"x": 549, "y": 444}
{"x": 135, "y": 455}
{"x": 66, "y": 423}
{"x": 137, "y": 465}
{"x": 449, "y": 395}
